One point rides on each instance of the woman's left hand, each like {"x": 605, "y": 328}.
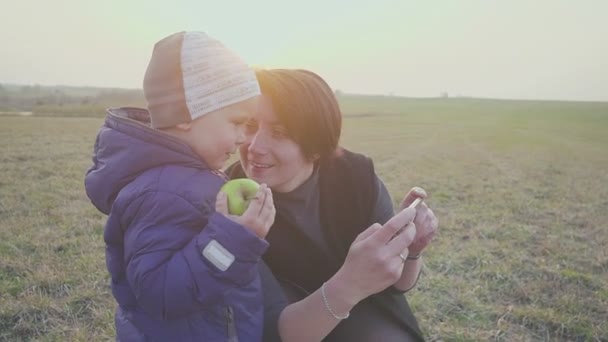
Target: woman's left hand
{"x": 426, "y": 222}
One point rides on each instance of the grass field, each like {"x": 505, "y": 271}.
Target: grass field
{"x": 520, "y": 188}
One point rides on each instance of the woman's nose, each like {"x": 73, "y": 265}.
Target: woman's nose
{"x": 241, "y": 137}
{"x": 257, "y": 143}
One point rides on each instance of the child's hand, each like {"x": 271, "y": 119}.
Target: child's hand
{"x": 258, "y": 217}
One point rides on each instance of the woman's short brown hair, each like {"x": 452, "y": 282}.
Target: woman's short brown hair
{"x": 306, "y": 106}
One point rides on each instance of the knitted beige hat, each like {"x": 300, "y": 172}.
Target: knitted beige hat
{"x": 191, "y": 74}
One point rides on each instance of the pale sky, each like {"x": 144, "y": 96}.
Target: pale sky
{"x": 526, "y": 49}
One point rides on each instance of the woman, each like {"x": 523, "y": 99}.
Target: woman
{"x": 336, "y": 248}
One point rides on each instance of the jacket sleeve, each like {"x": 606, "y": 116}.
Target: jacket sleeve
{"x": 274, "y": 303}
{"x": 163, "y": 249}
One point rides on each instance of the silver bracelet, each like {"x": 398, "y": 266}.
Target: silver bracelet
{"x": 329, "y": 307}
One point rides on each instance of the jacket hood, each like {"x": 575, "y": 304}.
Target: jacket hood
{"x": 126, "y": 146}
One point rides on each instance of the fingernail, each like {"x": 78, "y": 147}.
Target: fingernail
{"x": 420, "y": 191}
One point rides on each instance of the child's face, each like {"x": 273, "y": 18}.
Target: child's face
{"x": 217, "y": 135}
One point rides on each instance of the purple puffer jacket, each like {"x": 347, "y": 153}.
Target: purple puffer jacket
{"x": 160, "y": 198}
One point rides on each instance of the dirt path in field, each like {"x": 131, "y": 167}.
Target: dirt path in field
{"x": 504, "y": 167}
{"x": 16, "y": 113}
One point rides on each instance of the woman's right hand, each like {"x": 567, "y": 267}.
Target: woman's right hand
{"x": 259, "y": 215}
{"x": 374, "y": 262}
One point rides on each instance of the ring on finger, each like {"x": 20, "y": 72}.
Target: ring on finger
{"x": 404, "y": 258}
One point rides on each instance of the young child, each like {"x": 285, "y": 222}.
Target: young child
{"x": 181, "y": 271}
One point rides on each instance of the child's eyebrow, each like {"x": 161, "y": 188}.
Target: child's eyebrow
{"x": 275, "y": 123}
{"x": 241, "y": 116}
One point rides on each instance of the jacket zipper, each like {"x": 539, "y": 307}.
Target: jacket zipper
{"x": 231, "y": 326}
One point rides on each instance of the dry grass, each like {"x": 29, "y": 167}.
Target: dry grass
{"x": 521, "y": 190}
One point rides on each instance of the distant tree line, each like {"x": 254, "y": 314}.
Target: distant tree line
{"x": 93, "y": 101}
{"x": 66, "y": 101}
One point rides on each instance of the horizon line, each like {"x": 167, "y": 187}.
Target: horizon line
{"x": 338, "y": 92}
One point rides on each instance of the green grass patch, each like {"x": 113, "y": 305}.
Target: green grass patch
{"x": 520, "y": 189}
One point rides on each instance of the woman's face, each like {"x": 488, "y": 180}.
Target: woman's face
{"x": 269, "y": 155}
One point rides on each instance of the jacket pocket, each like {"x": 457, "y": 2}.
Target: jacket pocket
{"x": 231, "y": 325}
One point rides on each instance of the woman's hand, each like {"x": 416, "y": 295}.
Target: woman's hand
{"x": 259, "y": 215}
{"x": 375, "y": 259}
{"x": 426, "y": 222}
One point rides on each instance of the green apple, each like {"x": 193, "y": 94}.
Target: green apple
{"x": 240, "y": 192}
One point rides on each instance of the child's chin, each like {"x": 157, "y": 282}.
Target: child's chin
{"x": 215, "y": 165}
